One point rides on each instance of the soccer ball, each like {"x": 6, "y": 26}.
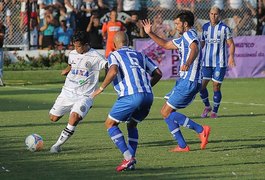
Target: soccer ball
{"x": 34, "y": 142}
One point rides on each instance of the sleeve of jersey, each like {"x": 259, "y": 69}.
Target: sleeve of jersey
{"x": 70, "y": 57}
{"x": 150, "y": 65}
{"x": 102, "y": 62}
{"x": 104, "y": 27}
{"x": 177, "y": 42}
{"x": 113, "y": 59}
{"x": 203, "y": 30}
{"x": 228, "y": 33}
{"x": 190, "y": 38}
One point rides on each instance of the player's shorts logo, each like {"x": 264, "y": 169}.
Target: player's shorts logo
{"x": 83, "y": 108}
{"x": 217, "y": 73}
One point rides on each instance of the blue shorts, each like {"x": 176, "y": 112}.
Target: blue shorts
{"x": 216, "y": 74}
{"x": 135, "y": 107}
{"x": 183, "y": 94}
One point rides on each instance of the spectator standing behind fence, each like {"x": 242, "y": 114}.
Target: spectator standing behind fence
{"x": 94, "y": 30}
{"x": 72, "y": 8}
{"x": 261, "y": 17}
{"x": 43, "y": 6}
{"x": 2, "y": 36}
{"x": 107, "y": 5}
{"x": 87, "y": 7}
{"x": 186, "y": 5}
{"x": 109, "y": 29}
{"x": 63, "y": 35}
{"x": 34, "y": 31}
{"x": 48, "y": 31}
{"x": 131, "y": 6}
{"x": 134, "y": 28}
{"x": 161, "y": 29}
{"x": 245, "y": 25}
{"x": 215, "y": 37}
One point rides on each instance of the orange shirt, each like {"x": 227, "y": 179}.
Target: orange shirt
{"x": 111, "y": 28}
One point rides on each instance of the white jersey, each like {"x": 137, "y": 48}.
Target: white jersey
{"x": 84, "y": 74}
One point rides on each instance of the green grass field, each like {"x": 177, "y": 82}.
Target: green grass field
{"x": 236, "y": 149}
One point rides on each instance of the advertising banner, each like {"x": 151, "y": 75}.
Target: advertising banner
{"x": 249, "y": 57}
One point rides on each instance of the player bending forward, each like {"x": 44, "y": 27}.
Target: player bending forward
{"x": 84, "y": 65}
{"x": 128, "y": 70}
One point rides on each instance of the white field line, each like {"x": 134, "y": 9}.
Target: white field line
{"x": 160, "y": 98}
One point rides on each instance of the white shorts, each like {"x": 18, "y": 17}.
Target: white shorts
{"x": 78, "y": 104}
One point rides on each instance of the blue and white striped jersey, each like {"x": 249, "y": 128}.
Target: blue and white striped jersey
{"x": 134, "y": 68}
{"x": 215, "y": 51}
{"x": 183, "y": 43}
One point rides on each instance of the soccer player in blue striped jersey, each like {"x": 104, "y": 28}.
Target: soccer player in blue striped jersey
{"x": 215, "y": 38}
{"x": 189, "y": 83}
{"x": 128, "y": 70}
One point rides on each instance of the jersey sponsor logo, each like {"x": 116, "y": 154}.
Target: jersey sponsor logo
{"x": 81, "y": 82}
{"x": 213, "y": 41}
{"x": 80, "y": 72}
{"x": 114, "y": 28}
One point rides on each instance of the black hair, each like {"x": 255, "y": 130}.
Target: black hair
{"x": 186, "y": 16}
{"x": 82, "y": 37}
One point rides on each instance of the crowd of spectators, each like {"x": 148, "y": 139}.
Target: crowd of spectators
{"x": 50, "y": 24}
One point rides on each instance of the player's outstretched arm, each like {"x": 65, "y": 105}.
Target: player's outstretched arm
{"x": 112, "y": 72}
{"x": 66, "y": 70}
{"x": 156, "y": 76}
{"x": 161, "y": 42}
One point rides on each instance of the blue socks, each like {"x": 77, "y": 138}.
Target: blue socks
{"x": 204, "y": 96}
{"x": 118, "y": 138}
{"x": 217, "y": 97}
{"x": 132, "y": 140}
{"x": 175, "y": 131}
{"x": 182, "y": 120}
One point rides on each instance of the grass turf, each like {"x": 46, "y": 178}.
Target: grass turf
{"x": 235, "y": 150}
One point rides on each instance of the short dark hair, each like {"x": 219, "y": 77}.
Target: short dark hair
{"x": 82, "y": 37}
{"x": 186, "y": 16}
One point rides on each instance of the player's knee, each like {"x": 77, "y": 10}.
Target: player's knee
{"x": 54, "y": 118}
{"x": 216, "y": 86}
{"x": 110, "y": 123}
{"x": 164, "y": 113}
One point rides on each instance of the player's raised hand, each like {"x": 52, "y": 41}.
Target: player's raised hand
{"x": 146, "y": 23}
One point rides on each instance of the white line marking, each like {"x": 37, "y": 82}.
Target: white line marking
{"x": 160, "y": 98}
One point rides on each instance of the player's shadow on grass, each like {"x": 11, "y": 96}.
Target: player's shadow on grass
{"x": 48, "y": 124}
{"x": 211, "y": 148}
{"x": 219, "y": 117}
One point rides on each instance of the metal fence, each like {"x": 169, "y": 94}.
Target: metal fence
{"x": 240, "y": 16}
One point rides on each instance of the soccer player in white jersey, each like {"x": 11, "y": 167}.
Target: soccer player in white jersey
{"x": 84, "y": 65}
{"x": 128, "y": 70}
{"x": 189, "y": 83}
{"x": 215, "y": 38}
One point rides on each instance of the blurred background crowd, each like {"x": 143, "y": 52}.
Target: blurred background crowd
{"x": 50, "y": 24}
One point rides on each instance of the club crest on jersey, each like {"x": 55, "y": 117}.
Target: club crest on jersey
{"x": 88, "y": 65}
{"x": 83, "y": 108}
